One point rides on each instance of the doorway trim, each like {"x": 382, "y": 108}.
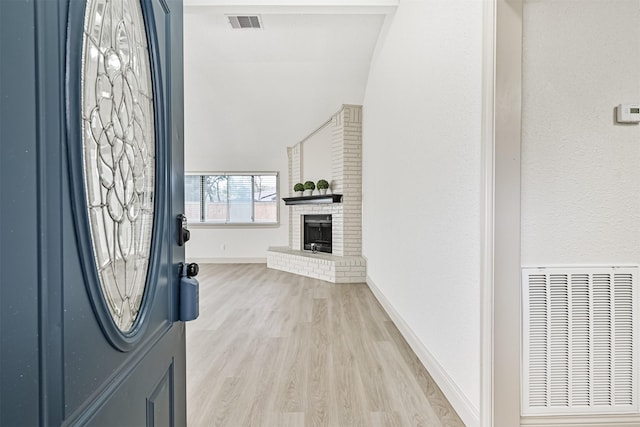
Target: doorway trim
{"x": 500, "y": 276}
{"x": 487, "y": 214}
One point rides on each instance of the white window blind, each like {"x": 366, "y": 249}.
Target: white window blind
{"x": 240, "y": 197}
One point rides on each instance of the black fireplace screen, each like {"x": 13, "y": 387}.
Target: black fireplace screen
{"x": 317, "y": 233}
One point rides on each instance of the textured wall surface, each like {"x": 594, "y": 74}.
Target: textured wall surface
{"x": 580, "y": 171}
{"x": 421, "y": 180}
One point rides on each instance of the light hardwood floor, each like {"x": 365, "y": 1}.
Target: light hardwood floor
{"x": 275, "y": 349}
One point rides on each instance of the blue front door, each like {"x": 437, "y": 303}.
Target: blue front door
{"x": 91, "y": 184}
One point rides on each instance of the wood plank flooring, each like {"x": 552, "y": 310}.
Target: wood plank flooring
{"x": 274, "y": 349}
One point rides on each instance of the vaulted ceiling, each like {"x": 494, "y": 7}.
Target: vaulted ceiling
{"x": 259, "y": 90}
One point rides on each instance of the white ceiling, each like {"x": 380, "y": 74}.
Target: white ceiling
{"x": 259, "y": 91}
{"x": 285, "y": 38}
{"x": 298, "y": 6}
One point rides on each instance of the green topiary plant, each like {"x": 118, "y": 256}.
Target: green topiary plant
{"x": 298, "y": 187}
{"x": 322, "y": 184}
{"x": 309, "y": 185}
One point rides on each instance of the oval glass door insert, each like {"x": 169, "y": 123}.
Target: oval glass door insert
{"x": 119, "y": 151}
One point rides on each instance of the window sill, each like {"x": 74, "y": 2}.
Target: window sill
{"x": 232, "y": 225}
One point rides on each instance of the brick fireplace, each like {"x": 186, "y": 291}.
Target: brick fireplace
{"x": 345, "y": 263}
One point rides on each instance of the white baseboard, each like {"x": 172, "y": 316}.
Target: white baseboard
{"x": 228, "y": 260}
{"x": 465, "y": 409}
{"x": 582, "y": 421}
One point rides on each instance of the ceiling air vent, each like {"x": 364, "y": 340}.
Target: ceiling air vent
{"x": 245, "y": 21}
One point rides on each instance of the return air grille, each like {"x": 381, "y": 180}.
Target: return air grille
{"x": 245, "y": 21}
{"x": 579, "y": 341}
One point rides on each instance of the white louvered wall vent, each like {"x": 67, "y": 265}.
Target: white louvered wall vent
{"x": 245, "y": 21}
{"x": 580, "y": 348}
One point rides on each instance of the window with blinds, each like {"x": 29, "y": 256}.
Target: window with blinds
{"x": 238, "y": 198}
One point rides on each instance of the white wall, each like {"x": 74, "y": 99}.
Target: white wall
{"x": 580, "y": 171}
{"x": 422, "y": 181}
{"x": 248, "y": 244}
{"x": 316, "y": 156}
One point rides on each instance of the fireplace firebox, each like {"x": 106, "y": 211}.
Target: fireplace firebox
{"x": 317, "y": 233}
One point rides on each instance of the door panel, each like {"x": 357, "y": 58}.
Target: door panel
{"x": 130, "y": 404}
{"x": 160, "y": 403}
{"x": 19, "y": 332}
{"x": 59, "y": 364}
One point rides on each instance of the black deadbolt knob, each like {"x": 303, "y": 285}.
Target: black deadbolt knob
{"x": 193, "y": 269}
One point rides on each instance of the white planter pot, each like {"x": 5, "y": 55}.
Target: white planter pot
{"x": 322, "y": 191}
{"x": 298, "y": 193}
{"x": 308, "y": 192}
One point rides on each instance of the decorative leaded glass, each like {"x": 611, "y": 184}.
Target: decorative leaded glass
{"x": 119, "y": 151}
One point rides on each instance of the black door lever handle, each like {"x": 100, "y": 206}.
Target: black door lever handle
{"x": 183, "y": 234}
